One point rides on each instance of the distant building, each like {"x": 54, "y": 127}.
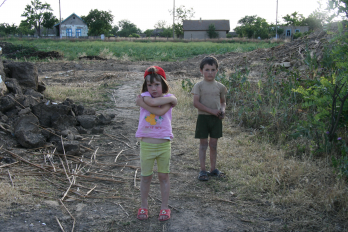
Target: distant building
{"x": 197, "y": 29}
{"x": 73, "y": 26}
{"x": 289, "y": 31}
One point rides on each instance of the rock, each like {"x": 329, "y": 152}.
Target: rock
{"x": 97, "y": 130}
{"x": 89, "y": 112}
{"x": 103, "y": 120}
{"x": 41, "y": 87}
{"x": 49, "y": 113}
{"x": 33, "y": 93}
{"x": 24, "y": 72}
{"x": 87, "y": 121}
{"x": 27, "y": 134}
{"x": 3, "y": 88}
{"x": 70, "y": 147}
{"x": 81, "y": 130}
{"x": 6, "y": 103}
{"x": 13, "y": 86}
{"x": 63, "y": 122}
{"x": 24, "y": 111}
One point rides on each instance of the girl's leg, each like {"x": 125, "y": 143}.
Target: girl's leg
{"x": 144, "y": 190}
{"x": 213, "y": 153}
{"x": 165, "y": 188}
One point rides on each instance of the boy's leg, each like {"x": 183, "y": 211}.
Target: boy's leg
{"x": 203, "y": 145}
{"x": 213, "y": 153}
{"x": 144, "y": 190}
{"x": 165, "y": 188}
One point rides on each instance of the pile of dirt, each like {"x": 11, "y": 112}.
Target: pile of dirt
{"x": 12, "y": 51}
{"x": 35, "y": 121}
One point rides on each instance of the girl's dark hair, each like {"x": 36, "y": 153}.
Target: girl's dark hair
{"x": 151, "y": 77}
{"x": 211, "y": 60}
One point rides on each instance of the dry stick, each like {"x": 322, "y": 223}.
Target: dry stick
{"x": 125, "y": 137}
{"x": 90, "y": 191}
{"x": 135, "y": 177}
{"x": 10, "y": 177}
{"x": 95, "y": 155}
{"x": 72, "y": 230}
{"x": 91, "y": 140}
{"x": 67, "y": 164}
{"x": 118, "y": 155}
{"x": 71, "y": 183}
{"x": 117, "y": 139}
{"x": 123, "y": 209}
{"x": 60, "y": 225}
{"x": 26, "y": 161}
{"x": 65, "y": 170}
{"x": 6, "y": 165}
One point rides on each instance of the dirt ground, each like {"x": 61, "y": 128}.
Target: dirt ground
{"x": 195, "y": 206}
{"x": 109, "y": 199}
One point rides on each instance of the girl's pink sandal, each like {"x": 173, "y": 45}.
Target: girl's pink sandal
{"x": 164, "y": 212}
{"x": 144, "y": 213}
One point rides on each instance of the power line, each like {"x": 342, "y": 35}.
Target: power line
{"x": 2, "y": 3}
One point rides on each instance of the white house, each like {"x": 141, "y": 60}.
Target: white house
{"x": 73, "y": 26}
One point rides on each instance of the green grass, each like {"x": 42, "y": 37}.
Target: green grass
{"x": 139, "y": 51}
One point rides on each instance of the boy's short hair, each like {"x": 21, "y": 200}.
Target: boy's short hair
{"x": 211, "y": 60}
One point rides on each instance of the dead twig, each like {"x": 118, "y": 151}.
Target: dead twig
{"x": 72, "y": 230}
{"x": 90, "y": 191}
{"x": 66, "y": 191}
{"x": 60, "y": 225}
{"x": 117, "y": 139}
{"x": 118, "y": 155}
{"x": 123, "y": 209}
{"x": 9, "y": 174}
{"x": 135, "y": 177}
{"x": 65, "y": 170}
{"x": 7, "y": 165}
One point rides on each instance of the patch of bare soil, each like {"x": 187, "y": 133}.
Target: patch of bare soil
{"x": 99, "y": 189}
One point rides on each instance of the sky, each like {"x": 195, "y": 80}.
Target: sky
{"x": 146, "y": 13}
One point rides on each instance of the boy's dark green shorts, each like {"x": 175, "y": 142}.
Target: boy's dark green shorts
{"x": 208, "y": 125}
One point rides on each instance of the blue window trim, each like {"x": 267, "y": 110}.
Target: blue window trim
{"x": 297, "y": 30}
{"x": 69, "y": 32}
{"x": 288, "y": 30}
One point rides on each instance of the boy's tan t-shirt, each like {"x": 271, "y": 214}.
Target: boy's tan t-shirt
{"x": 210, "y": 93}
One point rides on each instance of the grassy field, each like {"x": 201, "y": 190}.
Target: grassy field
{"x": 138, "y": 51}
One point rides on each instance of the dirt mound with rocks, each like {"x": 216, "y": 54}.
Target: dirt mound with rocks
{"x": 34, "y": 121}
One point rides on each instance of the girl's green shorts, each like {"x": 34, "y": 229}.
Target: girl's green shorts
{"x": 150, "y": 152}
{"x": 208, "y": 125}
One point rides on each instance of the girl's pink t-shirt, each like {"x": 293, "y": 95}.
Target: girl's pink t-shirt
{"x": 154, "y": 126}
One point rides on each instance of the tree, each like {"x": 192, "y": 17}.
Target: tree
{"x": 212, "y": 32}
{"x": 272, "y": 30}
{"x": 161, "y": 24}
{"x": 98, "y": 22}
{"x": 294, "y": 19}
{"x": 167, "y": 32}
{"x": 114, "y": 30}
{"x": 148, "y": 32}
{"x": 253, "y": 27}
{"x": 49, "y": 20}
{"x": 181, "y": 14}
{"x": 35, "y": 13}
{"x": 341, "y": 6}
{"x": 25, "y": 28}
{"x": 127, "y": 28}
{"x": 7, "y": 29}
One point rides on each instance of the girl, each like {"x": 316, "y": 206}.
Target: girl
{"x": 155, "y": 133}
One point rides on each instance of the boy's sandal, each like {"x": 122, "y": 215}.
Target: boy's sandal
{"x": 164, "y": 212}
{"x": 217, "y": 173}
{"x": 142, "y": 214}
{"x": 203, "y": 175}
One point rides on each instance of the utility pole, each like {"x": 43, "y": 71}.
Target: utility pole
{"x": 60, "y": 21}
{"x": 173, "y": 17}
{"x": 277, "y": 21}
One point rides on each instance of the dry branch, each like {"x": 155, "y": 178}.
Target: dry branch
{"x": 7, "y": 165}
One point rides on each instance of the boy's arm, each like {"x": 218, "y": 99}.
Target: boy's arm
{"x": 223, "y": 107}
{"x": 202, "y": 107}
{"x": 159, "y": 111}
{"x": 158, "y": 101}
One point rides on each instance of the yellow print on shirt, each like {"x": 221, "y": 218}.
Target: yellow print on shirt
{"x": 151, "y": 119}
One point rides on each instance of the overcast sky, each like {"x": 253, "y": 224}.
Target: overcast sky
{"x": 146, "y": 13}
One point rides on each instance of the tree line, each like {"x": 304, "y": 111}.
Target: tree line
{"x": 39, "y": 16}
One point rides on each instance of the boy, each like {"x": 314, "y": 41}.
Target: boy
{"x": 209, "y": 99}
